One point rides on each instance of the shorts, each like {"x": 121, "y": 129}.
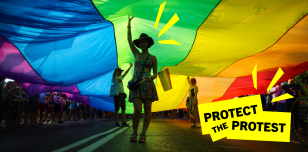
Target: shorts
{"x": 41, "y": 107}
{"x": 57, "y": 108}
{"x": 46, "y": 105}
{"x": 119, "y": 100}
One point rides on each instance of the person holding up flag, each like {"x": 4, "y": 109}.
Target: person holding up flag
{"x": 142, "y": 92}
{"x": 192, "y": 105}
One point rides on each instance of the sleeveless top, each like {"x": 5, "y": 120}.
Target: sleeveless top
{"x": 140, "y": 63}
{"x": 147, "y": 90}
{"x": 192, "y": 91}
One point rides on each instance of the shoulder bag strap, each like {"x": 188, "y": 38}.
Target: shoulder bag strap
{"x": 143, "y": 67}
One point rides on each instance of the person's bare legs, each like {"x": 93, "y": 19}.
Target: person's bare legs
{"x": 56, "y": 116}
{"x": 74, "y": 115}
{"x": 32, "y": 117}
{"x": 123, "y": 115}
{"x": 137, "y": 113}
{"x": 116, "y": 115}
{"x": 69, "y": 115}
{"x": 59, "y": 116}
{"x": 41, "y": 116}
{"x": 52, "y": 114}
{"x": 26, "y": 114}
{"x": 18, "y": 118}
{"x": 147, "y": 115}
{"x": 45, "y": 115}
{"x": 81, "y": 114}
{"x": 7, "y": 119}
{"x": 63, "y": 115}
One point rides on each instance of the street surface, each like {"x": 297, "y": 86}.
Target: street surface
{"x": 101, "y": 135}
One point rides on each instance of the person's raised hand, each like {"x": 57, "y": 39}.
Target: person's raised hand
{"x": 130, "y": 19}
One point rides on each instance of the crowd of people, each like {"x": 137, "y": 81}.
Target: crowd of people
{"x": 278, "y": 90}
{"x": 20, "y": 109}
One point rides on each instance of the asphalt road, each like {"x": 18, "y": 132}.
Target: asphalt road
{"x": 101, "y": 135}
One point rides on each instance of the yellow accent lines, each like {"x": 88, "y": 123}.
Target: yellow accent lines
{"x": 161, "y": 9}
{"x": 254, "y": 76}
{"x": 169, "y": 42}
{"x": 170, "y": 23}
{"x": 275, "y": 79}
{"x": 283, "y": 97}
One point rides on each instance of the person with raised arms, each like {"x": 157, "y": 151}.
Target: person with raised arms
{"x": 192, "y": 104}
{"x": 145, "y": 91}
{"x": 118, "y": 94}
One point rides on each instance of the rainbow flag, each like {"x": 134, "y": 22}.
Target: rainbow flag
{"x": 165, "y": 80}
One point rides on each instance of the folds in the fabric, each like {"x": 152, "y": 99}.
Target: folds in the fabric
{"x": 98, "y": 87}
{"x": 69, "y": 43}
{"x": 244, "y": 85}
{"x": 71, "y": 92}
{"x": 33, "y": 89}
{"x": 238, "y": 29}
{"x": 191, "y": 15}
{"x": 66, "y": 42}
{"x": 171, "y": 99}
{"x": 289, "y": 51}
{"x": 106, "y": 104}
{"x": 13, "y": 65}
{"x": 78, "y": 98}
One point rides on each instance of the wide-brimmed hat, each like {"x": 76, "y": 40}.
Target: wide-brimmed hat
{"x": 144, "y": 37}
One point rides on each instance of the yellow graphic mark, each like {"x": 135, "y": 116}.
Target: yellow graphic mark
{"x": 277, "y": 76}
{"x": 275, "y": 79}
{"x": 169, "y": 42}
{"x": 283, "y": 97}
{"x": 171, "y": 22}
{"x": 254, "y": 76}
{"x": 161, "y": 9}
{"x": 244, "y": 119}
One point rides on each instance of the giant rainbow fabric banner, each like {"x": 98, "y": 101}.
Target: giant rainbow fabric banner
{"x": 74, "y": 46}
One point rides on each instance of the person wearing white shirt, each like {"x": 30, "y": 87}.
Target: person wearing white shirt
{"x": 117, "y": 91}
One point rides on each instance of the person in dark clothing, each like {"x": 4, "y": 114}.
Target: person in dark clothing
{"x": 294, "y": 90}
